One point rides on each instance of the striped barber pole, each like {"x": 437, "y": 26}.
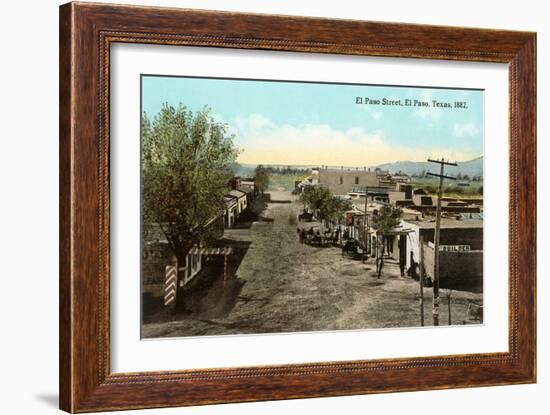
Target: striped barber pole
{"x": 170, "y": 284}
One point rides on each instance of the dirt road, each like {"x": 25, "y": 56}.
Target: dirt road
{"x": 280, "y": 285}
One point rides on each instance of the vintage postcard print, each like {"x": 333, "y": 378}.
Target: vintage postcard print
{"x": 285, "y": 206}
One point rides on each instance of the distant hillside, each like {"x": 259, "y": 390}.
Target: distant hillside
{"x": 471, "y": 168}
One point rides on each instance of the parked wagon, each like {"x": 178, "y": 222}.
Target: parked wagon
{"x": 350, "y": 248}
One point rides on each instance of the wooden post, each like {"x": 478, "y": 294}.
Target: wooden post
{"x": 449, "y": 295}
{"x": 421, "y": 278}
{"x": 436, "y": 252}
{"x": 365, "y": 238}
{"x": 224, "y": 268}
{"x": 170, "y": 285}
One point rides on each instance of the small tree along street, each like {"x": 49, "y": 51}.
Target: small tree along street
{"x": 324, "y": 205}
{"x": 186, "y": 160}
{"x": 387, "y": 218}
{"x": 261, "y": 178}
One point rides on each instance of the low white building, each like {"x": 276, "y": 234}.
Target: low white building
{"x": 230, "y": 214}
{"x": 240, "y": 197}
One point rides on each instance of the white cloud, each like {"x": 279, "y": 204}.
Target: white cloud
{"x": 429, "y": 113}
{"x": 465, "y": 130}
{"x": 374, "y": 114}
{"x": 263, "y": 141}
{"x": 254, "y": 122}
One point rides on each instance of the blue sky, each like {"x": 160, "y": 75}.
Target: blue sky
{"x": 312, "y": 123}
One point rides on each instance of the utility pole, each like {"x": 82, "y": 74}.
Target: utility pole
{"x": 421, "y": 275}
{"x": 365, "y": 226}
{"x": 441, "y": 176}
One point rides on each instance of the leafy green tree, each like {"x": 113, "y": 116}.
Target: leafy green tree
{"x": 186, "y": 161}
{"x": 314, "y": 197}
{"x": 324, "y": 205}
{"x": 261, "y": 178}
{"x": 333, "y": 209}
{"x": 387, "y": 218}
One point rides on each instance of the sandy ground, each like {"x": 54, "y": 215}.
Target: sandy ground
{"x": 280, "y": 285}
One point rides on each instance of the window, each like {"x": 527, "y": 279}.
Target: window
{"x": 341, "y": 179}
{"x": 356, "y": 179}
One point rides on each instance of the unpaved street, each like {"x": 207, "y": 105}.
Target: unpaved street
{"x": 280, "y": 285}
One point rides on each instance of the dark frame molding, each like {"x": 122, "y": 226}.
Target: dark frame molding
{"x": 86, "y": 33}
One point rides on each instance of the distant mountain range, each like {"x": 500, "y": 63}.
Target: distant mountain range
{"x": 471, "y": 167}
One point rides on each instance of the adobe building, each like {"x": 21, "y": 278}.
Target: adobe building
{"x": 402, "y": 195}
{"x": 343, "y": 180}
{"x": 230, "y": 214}
{"x": 460, "y": 246}
{"x": 241, "y": 198}
{"x": 156, "y": 254}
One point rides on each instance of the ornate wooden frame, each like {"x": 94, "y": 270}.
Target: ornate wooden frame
{"x": 86, "y": 33}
